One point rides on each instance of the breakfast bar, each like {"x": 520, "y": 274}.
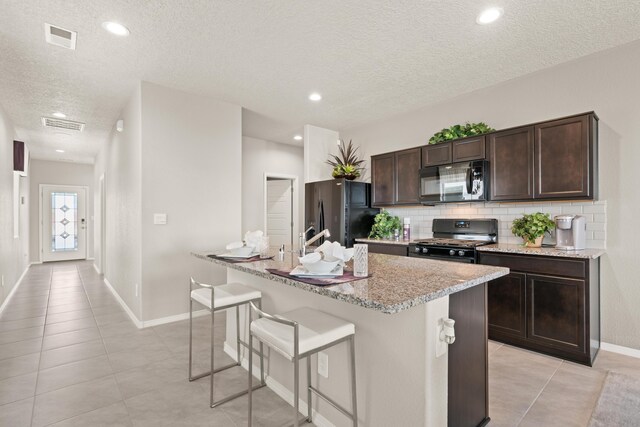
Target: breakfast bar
{"x": 398, "y": 312}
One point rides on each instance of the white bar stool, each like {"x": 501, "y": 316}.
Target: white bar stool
{"x": 298, "y": 334}
{"x": 223, "y": 296}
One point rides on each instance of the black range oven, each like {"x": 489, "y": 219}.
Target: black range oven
{"x": 456, "y": 239}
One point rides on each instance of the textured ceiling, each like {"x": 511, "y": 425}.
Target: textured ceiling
{"x": 369, "y": 60}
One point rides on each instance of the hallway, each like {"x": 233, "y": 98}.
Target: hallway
{"x": 70, "y": 356}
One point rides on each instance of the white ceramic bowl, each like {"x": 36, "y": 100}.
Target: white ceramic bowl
{"x": 243, "y": 251}
{"x": 320, "y": 267}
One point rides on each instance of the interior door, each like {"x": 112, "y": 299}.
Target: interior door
{"x": 279, "y": 212}
{"x": 64, "y": 223}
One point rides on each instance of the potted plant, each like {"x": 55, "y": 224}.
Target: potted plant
{"x": 460, "y": 131}
{"x": 384, "y": 225}
{"x": 532, "y": 228}
{"x": 346, "y": 164}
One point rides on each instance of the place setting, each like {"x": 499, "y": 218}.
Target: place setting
{"x": 326, "y": 266}
{"x": 254, "y": 247}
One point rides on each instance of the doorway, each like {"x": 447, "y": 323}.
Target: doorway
{"x": 63, "y": 222}
{"x": 281, "y": 209}
{"x": 103, "y": 227}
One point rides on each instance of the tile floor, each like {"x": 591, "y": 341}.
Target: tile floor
{"x": 70, "y": 356}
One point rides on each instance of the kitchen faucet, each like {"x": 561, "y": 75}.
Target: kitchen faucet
{"x": 304, "y": 243}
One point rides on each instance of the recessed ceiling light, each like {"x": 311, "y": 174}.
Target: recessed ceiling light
{"x": 115, "y": 28}
{"x": 60, "y": 151}
{"x": 59, "y": 115}
{"x": 489, "y": 15}
{"x": 298, "y": 138}
{"x": 315, "y": 96}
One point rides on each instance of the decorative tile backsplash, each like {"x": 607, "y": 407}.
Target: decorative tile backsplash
{"x": 505, "y": 213}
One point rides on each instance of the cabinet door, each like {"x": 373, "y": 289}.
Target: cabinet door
{"x": 556, "y": 312}
{"x": 436, "y": 154}
{"x": 510, "y": 156}
{"x": 562, "y": 159}
{"x": 407, "y": 176}
{"x": 469, "y": 149}
{"x": 382, "y": 179}
{"x": 507, "y": 305}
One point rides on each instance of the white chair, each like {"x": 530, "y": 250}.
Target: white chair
{"x": 298, "y": 334}
{"x": 223, "y": 296}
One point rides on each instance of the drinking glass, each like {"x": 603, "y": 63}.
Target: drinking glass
{"x": 360, "y": 260}
{"x": 264, "y": 247}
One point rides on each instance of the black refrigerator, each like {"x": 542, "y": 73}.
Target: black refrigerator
{"x": 340, "y": 205}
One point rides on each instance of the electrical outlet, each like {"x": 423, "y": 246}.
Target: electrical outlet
{"x": 323, "y": 364}
{"x": 137, "y": 292}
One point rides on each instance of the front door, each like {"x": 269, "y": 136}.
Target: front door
{"x": 280, "y": 212}
{"x": 64, "y": 223}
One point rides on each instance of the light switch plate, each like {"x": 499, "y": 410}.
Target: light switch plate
{"x": 159, "y": 219}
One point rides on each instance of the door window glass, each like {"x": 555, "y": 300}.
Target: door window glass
{"x": 64, "y": 227}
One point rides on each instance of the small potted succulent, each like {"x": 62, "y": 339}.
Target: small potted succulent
{"x": 346, "y": 164}
{"x": 532, "y": 228}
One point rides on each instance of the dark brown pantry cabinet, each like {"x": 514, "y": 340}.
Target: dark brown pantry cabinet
{"x": 550, "y": 160}
{"x": 546, "y": 304}
{"x": 394, "y": 178}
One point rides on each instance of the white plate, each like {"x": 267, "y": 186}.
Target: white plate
{"x": 300, "y": 271}
{"x": 230, "y": 255}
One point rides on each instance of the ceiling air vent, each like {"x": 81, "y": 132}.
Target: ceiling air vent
{"x": 50, "y": 122}
{"x": 60, "y": 37}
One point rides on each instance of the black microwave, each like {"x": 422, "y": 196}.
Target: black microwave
{"x": 457, "y": 182}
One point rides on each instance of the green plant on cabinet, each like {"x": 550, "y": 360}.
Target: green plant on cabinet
{"x": 384, "y": 225}
{"x": 460, "y": 131}
{"x": 346, "y": 164}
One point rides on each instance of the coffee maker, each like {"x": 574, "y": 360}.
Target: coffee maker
{"x": 571, "y": 232}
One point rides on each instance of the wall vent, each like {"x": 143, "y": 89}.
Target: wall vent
{"x": 58, "y": 36}
{"x": 50, "y": 122}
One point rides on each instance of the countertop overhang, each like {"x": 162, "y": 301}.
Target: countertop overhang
{"x": 397, "y": 283}
{"x": 544, "y": 251}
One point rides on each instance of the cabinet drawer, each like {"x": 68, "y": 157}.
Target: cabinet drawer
{"x": 536, "y": 264}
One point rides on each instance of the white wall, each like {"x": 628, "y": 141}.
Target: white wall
{"x": 120, "y": 163}
{"x": 57, "y": 173}
{"x": 318, "y": 144}
{"x": 260, "y": 157}
{"x": 607, "y": 83}
{"x": 13, "y": 252}
{"x": 191, "y": 170}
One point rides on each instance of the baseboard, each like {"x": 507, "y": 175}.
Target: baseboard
{"x": 620, "y": 349}
{"x": 174, "y": 318}
{"x": 279, "y": 389}
{"x": 124, "y": 305}
{"x": 95, "y": 267}
{"x": 14, "y": 289}
{"x": 90, "y": 259}
{"x": 35, "y": 262}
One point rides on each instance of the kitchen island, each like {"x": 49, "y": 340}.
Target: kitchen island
{"x": 397, "y": 312}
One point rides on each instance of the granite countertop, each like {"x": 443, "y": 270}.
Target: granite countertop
{"x": 386, "y": 241}
{"x": 397, "y": 283}
{"x": 520, "y": 249}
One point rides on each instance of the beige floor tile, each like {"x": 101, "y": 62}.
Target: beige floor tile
{"x": 17, "y": 388}
{"x": 151, "y": 376}
{"x": 568, "y": 399}
{"x": 104, "y": 319}
{"x": 21, "y": 324}
{"x": 118, "y": 329}
{"x": 627, "y": 365}
{"x": 65, "y": 308}
{"x": 124, "y": 360}
{"x": 71, "y": 353}
{"x": 17, "y": 414}
{"x": 68, "y": 338}
{"x": 71, "y": 315}
{"x": 21, "y": 334}
{"x": 131, "y": 342}
{"x": 70, "y": 325}
{"x": 73, "y": 373}
{"x": 115, "y": 415}
{"x": 75, "y": 400}
{"x": 20, "y": 348}
{"x": 268, "y": 409}
{"x": 19, "y": 365}
{"x": 10, "y": 314}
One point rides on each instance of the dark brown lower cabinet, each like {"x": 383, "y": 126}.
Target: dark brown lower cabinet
{"x": 468, "y": 395}
{"x": 546, "y": 304}
{"x": 388, "y": 248}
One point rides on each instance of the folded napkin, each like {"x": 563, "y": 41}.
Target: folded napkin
{"x": 310, "y": 258}
{"x": 234, "y": 245}
{"x": 253, "y": 238}
{"x": 334, "y": 251}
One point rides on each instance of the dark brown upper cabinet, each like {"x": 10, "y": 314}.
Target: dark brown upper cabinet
{"x": 468, "y": 149}
{"x": 437, "y": 154}
{"x": 383, "y": 171}
{"x": 549, "y": 160}
{"x": 394, "y": 178}
{"x": 564, "y": 158}
{"x": 510, "y": 155}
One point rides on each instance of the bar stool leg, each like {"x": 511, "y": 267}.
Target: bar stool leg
{"x": 354, "y": 399}
{"x": 262, "y": 380}
{"x": 249, "y": 394}
{"x": 238, "y": 334}
{"x": 309, "y": 388}
{"x": 296, "y": 391}
{"x": 212, "y": 355}
{"x": 190, "y": 335}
